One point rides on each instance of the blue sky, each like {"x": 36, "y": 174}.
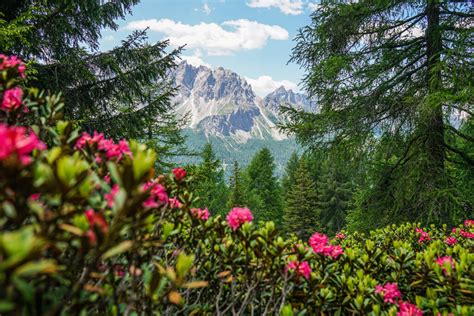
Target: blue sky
{"x": 251, "y": 37}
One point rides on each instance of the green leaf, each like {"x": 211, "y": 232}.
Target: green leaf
{"x": 120, "y": 248}
{"x": 183, "y": 264}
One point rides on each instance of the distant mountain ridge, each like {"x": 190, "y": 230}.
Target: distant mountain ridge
{"x": 222, "y": 104}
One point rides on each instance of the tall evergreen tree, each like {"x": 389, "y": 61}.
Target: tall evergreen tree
{"x": 262, "y": 188}
{"x": 289, "y": 177}
{"x": 301, "y": 214}
{"x": 124, "y": 92}
{"x": 334, "y": 192}
{"x": 209, "y": 182}
{"x": 392, "y": 73}
{"x": 236, "y": 190}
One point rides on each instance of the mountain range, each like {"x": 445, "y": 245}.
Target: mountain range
{"x": 223, "y": 109}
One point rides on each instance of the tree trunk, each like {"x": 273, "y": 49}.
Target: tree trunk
{"x": 432, "y": 114}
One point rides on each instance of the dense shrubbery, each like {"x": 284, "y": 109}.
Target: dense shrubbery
{"x": 87, "y": 227}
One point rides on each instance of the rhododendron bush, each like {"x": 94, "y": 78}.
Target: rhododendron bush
{"x": 87, "y": 227}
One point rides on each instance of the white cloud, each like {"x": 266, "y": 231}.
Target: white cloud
{"x": 215, "y": 39}
{"x": 195, "y": 59}
{"x": 293, "y": 7}
{"x": 263, "y": 85}
{"x": 206, "y": 9}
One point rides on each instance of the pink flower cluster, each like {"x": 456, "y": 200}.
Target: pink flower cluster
{"x": 301, "y": 268}
{"x": 423, "y": 235}
{"x": 110, "y": 197}
{"x": 12, "y": 62}
{"x": 390, "y": 292}
{"x": 320, "y": 244}
{"x": 468, "y": 222}
{"x": 202, "y": 214}
{"x": 451, "y": 241}
{"x": 463, "y": 233}
{"x": 174, "y": 202}
{"x": 17, "y": 142}
{"x": 12, "y": 99}
{"x": 95, "y": 220}
{"x": 158, "y": 196}
{"x": 340, "y": 236}
{"x": 441, "y": 261}
{"x": 110, "y": 149}
{"x": 238, "y": 216}
{"x": 408, "y": 309}
{"x": 179, "y": 174}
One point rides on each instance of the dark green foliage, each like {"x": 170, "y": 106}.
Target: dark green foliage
{"x": 262, "y": 189}
{"x": 334, "y": 198}
{"x": 301, "y": 214}
{"x": 289, "y": 177}
{"x": 389, "y": 77}
{"x": 236, "y": 189}
{"x": 208, "y": 182}
{"x": 124, "y": 92}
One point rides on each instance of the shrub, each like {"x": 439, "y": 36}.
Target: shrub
{"x": 87, "y": 227}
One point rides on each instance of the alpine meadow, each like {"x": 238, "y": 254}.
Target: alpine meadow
{"x": 258, "y": 157}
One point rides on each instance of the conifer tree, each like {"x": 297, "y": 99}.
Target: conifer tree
{"x": 262, "y": 188}
{"x": 390, "y": 76}
{"x": 209, "y": 182}
{"x": 301, "y": 215}
{"x": 236, "y": 190}
{"x": 289, "y": 177}
{"x": 334, "y": 194}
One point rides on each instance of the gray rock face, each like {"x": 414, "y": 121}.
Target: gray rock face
{"x": 221, "y": 103}
{"x": 281, "y": 96}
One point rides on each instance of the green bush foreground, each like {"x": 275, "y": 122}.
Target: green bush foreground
{"x": 87, "y": 228}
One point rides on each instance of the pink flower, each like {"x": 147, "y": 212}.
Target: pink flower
{"x": 158, "y": 196}
{"x": 451, "y": 241}
{"x": 200, "y": 214}
{"x": 389, "y": 291}
{"x": 300, "y": 268}
{"x": 110, "y": 197}
{"x": 106, "y": 146}
{"x": 35, "y": 196}
{"x": 16, "y": 141}
{"x": 12, "y": 99}
{"x": 466, "y": 234}
{"x": 442, "y": 261}
{"x": 179, "y": 174}
{"x": 107, "y": 178}
{"x": 408, "y": 309}
{"x": 11, "y": 62}
{"x": 318, "y": 242}
{"x": 175, "y": 203}
{"x": 237, "y": 216}
{"x": 95, "y": 220}
{"x": 340, "y": 236}
{"x": 336, "y": 251}
{"x": 468, "y": 222}
{"x": 423, "y": 235}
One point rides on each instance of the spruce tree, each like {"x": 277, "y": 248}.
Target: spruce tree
{"x": 124, "y": 92}
{"x": 236, "y": 190}
{"x": 301, "y": 215}
{"x": 390, "y": 75}
{"x": 262, "y": 188}
{"x": 209, "y": 182}
{"x": 289, "y": 177}
{"x": 334, "y": 192}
